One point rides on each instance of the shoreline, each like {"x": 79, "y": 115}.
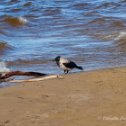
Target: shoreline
{"x": 86, "y": 98}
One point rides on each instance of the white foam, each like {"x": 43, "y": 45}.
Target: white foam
{"x": 121, "y": 35}
{"x": 3, "y": 68}
{"x": 22, "y": 20}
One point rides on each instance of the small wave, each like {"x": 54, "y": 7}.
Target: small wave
{"x": 107, "y": 22}
{"x": 27, "y": 4}
{"x": 15, "y": 21}
{"x": 4, "y": 46}
{"x": 98, "y": 21}
{"x": 121, "y": 35}
{"x": 51, "y": 11}
{"x": 118, "y": 23}
{"x": 123, "y": 1}
{"x": 16, "y": 10}
{"x": 24, "y": 62}
{"x": 121, "y": 41}
{"x": 107, "y": 5}
{"x": 13, "y": 1}
{"x": 82, "y": 6}
{"x": 116, "y": 36}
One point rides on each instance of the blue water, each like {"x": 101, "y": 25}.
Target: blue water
{"x": 87, "y": 32}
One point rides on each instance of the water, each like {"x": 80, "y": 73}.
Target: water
{"x": 90, "y": 32}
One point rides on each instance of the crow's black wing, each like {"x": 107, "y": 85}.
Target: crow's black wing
{"x": 70, "y": 65}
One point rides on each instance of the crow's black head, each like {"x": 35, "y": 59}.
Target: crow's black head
{"x": 57, "y": 58}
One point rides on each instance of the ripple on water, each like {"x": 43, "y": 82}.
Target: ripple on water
{"x": 51, "y": 11}
{"x": 4, "y": 47}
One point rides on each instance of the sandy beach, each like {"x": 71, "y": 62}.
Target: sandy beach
{"x": 95, "y": 98}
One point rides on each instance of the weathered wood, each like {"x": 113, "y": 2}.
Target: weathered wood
{"x": 20, "y": 73}
{"x": 5, "y": 77}
{"x": 37, "y": 79}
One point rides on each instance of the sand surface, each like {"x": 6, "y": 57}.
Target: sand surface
{"x": 96, "y": 98}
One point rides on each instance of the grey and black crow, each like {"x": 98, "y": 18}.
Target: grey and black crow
{"x": 66, "y": 64}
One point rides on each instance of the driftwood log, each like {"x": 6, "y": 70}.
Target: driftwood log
{"x": 37, "y": 79}
{"x": 20, "y": 73}
{"x": 4, "y": 77}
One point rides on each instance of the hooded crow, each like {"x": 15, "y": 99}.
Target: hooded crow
{"x": 66, "y": 64}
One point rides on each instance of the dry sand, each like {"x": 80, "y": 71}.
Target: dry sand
{"x": 96, "y": 98}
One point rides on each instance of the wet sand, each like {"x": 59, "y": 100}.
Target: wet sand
{"x": 85, "y": 99}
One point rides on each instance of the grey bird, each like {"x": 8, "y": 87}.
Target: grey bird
{"x": 66, "y": 64}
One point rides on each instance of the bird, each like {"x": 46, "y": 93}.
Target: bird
{"x": 66, "y": 64}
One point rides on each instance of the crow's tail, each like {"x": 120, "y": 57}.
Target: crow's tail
{"x": 79, "y": 67}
